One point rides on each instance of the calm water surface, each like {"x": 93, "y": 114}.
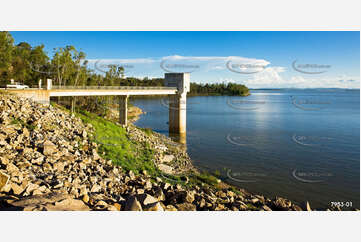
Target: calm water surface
{"x": 298, "y": 144}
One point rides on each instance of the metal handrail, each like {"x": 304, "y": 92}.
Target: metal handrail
{"x": 115, "y": 87}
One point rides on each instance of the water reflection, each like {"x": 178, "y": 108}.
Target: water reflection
{"x": 179, "y": 138}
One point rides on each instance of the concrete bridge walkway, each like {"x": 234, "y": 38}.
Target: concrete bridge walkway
{"x": 177, "y": 85}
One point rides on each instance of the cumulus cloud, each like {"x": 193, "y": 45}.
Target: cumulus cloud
{"x": 225, "y": 69}
{"x": 272, "y": 77}
{"x": 123, "y": 61}
{"x": 179, "y": 63}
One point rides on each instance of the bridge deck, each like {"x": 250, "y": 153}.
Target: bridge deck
{"x": 100, "y": 92}
{"x": 65, "y": 91}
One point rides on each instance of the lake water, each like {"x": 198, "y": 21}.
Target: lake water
{"x": 298, "y": 144}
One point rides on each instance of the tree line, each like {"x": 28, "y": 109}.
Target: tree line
{"x": 68, "y": 67}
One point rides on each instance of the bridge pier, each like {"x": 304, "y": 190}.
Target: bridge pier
{"x": 177, "y": 114}
{"x": 178, "y": 103}
{"x": 123, "y": 109}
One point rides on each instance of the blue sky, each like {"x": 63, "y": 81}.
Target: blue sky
{"x": 255, "y": 58}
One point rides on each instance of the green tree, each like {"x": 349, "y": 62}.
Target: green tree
{"x": 20, "y": 62}
{"x": 6, "y": 51}
{"x": 39, "y": 64}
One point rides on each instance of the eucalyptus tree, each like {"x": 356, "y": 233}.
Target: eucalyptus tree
{"x": 114, "y": 75}
{"x": 39, "y": 65}
{"x": 80, "y": 72}
{"x": 20, "y": 62}
{"x": 63, "y": 64}
{"x": 6, "y": 51}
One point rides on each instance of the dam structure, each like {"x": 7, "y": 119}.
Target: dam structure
{"x": 177, "y": 85}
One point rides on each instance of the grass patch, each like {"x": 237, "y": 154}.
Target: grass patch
{"x": 54, "y": 104}
{"x": 148, "y": 131}
{"x": 21, "y": 123}
{"x": 130, "y": 117}
{"x": 114, "y": 145}
{"x": 251, "y": 207}
{"x": 204, "y": 177}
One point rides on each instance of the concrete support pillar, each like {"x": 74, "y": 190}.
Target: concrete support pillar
{"x": 180, "y": 138}
{"x": 178, "y": 103}
{"x": 123, "y": 110}
{"x": 43, "y": 97}
{"x": 177, "y": 114}
{"x": 49, "y": 84}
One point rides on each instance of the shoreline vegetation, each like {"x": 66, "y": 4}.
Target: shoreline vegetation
{"x": 52, "y": 159}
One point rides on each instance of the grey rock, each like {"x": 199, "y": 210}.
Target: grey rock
{"x": 186, "y": 207}
{"x": 146, "y": 199}
{"x": 96, "y": 188}
{"x": 266, "y": 208}
{"x": 4, "y": 178}
{"x": 68, "y": 204}
{"x": 148, "y": 185}
{"x": 154, "y": 207}
{"x": 187, "y": 196}
{"x": 170, "y": 208}
{"x": 166, "y": 186}
{"x": 11, "y": 168}
{"x": 296, "y": 208}
{"x": 140, "y": 191}
{"x": 17, "y": 190}
{"x": 132, "y": 204}
{"x": 165, "y": 168}
{"x": 59, "y": 166}
{"x": 40, "y": 199}
{"x": 306, "y": 206}
{"x": 158, "y": 194}
{"x": 282, "y": 203}
{"x": 167, "y": 158}
{"x": 101, "y": 205}
{"x": 202, "y": 203}
{"x": 49, "y": 148}
{"x": 131, "y": 175}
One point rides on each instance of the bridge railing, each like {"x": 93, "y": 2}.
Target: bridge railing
{"x": 113, "y": 88}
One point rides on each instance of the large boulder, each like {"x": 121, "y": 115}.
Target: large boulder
{"x": 165, "y": 168}
{"x": 49, "y": 148}
{"x": 146, "y": 199}
{"x": 32, "y": 201}
{"x": 68, "y": 204}
{"x": 132, "y": 204}
{"x": 154, "y": 207}
{"x": 4, "y": 178}
{"x": 186, "y": 207}
{"x": 167, "y": 158}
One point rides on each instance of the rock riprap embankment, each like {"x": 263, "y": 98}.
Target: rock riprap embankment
{"x": 48, "y": 162}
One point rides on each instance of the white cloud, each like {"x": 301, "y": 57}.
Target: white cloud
{"x": 218, "y": 69}
{"x": 200, "y": 63}
{"x": 272, "y": 77}
{"x": 123, "y": 61}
